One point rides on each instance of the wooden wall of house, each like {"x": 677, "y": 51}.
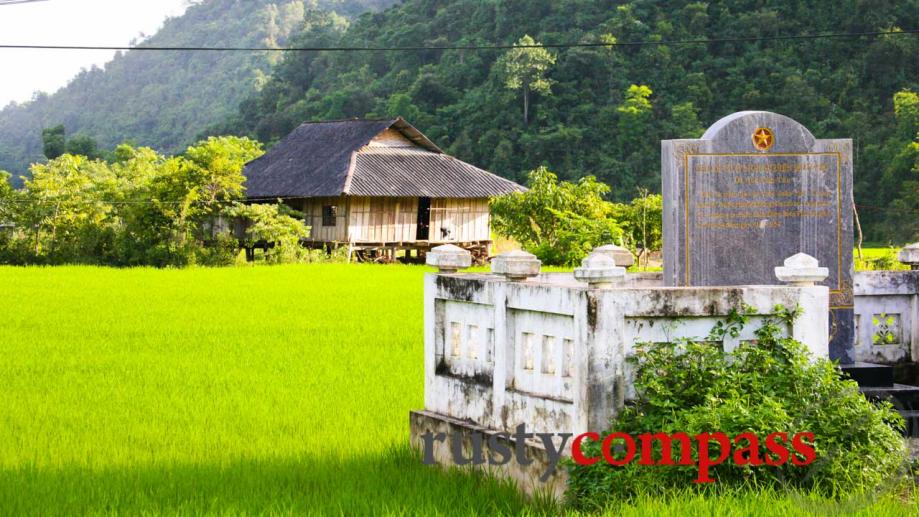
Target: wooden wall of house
{"x": 383, "y": 219}
{"x": 312, "y": 210}
{"x": 459, "y": 220}
{"x": 395, "y": 220}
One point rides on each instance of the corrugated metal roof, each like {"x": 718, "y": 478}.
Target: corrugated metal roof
{"x": 320, "y": 159}
{"x": 406, "y": 172}
{"x": 312, "y": 161}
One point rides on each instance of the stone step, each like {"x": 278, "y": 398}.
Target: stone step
{"x": 906, "y": 373}
{"x": 869, "y": 375}
{"x": 912, "y": 423}
{"x": 904, "y": 398}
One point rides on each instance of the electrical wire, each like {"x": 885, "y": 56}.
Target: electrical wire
{"x": 10, "y": 202}
{"x": 14, "y": 2}
{"x": 703, "y": 41}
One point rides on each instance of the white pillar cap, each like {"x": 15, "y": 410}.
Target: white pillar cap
{"x": 449, "y": 258}
{"x": 622, "y": 256}
{"x": 599, "y": 270}
{"x": 516, "y": 265}
{"x": 909, "y": 255}
{"x": 801, "y": 270}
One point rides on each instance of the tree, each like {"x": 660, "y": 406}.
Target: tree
{"x": 634, "y": 115}
{"x": 900, "y": 178}
{"x": 642, "y": 222}
{"x": 560, "y": 222}
{"x": 54, "y": 142}
{"x": 192, "y": 190}
{"x": 400, "y": 105}
{"x": 685, "y": 121}
{"x": 84, "y": 146}
{"x": 524, "y": 68}
{"x": 66, "y": 208}
{"x": 7, "y": 198}
{"x": 141, "y": 209}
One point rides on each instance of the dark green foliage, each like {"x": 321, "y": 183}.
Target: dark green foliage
{"x": 899, "y": 181}
{"x": 772, "y": 385}
{"x": 84, "y": 146}
{"x": 608, "y": 108}
{"x": 54, "y": 142}
{"x": 164, "y": 99}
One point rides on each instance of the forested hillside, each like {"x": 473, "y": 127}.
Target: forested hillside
{"x": 602, "y": 111}
{"x": 164, "y": 99}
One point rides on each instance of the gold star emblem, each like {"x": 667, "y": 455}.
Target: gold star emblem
{"x": 763, "y": 139}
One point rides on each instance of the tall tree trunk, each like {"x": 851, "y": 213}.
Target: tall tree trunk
{"x": 57, "y": 210}
{"x": 526, "y": 105}
{"x": 858, "y": 228}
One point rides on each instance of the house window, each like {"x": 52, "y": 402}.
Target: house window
{"x": 329, "y": 213}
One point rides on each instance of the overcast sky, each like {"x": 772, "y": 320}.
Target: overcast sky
{"x": 69, "y": 22}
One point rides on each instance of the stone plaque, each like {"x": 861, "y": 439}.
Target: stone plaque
{"x": 754, "y": 190}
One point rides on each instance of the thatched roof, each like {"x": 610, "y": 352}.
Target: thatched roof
{"x": 322, "y": 159}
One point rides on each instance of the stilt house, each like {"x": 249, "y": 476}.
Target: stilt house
{"x": 377, "y": 186}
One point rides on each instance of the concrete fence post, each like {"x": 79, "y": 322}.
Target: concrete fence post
{"x": 516, "y": 265}
{"x": 599, "y": 270}
{"x": 622, "y": 256}
{"x": 801, "y": 270}
{"x": 909, "y": 255}
{"x": 449, "y": 258}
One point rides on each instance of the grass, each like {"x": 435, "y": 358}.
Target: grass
{"x": 235, "y": 391}
{"x": 878, "y": 258}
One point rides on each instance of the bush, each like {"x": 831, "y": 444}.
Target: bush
{"x": 559, "y": 222}
{"x": 771, "y": 386}
{"x": 879, "y": 259}
{"x": 222, "y": 251}
{"x": 278, "y": 226}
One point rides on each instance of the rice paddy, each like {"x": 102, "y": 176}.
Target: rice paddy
{"x": 248, "y": 390}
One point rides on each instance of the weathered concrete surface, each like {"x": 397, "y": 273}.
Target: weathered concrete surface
{"x": 754, "y": 190}
{"x": 622, "y": 256}
{"x": 516, "y": 265}
{"x": 526, "y": 477}
{"x": 887, "y": 316}
{"x": 551, "y": 353}
{"x": 449, "y": 258}
{"x": 909, "y": 255}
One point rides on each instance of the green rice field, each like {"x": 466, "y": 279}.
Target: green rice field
{"x": 249, "y": 390}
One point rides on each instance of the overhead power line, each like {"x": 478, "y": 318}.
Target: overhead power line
{"x": 14, "y": 2}
{"x": 90, "y": 201}
{"x": 701, "y": 41}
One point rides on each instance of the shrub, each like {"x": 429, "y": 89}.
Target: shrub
{"x": 277, "y": 225}
{"x": 879, "y": 259}
{"x": 221, "y": 251}
{"x": 559, "y": 222}
{"x": 771, "y": 386}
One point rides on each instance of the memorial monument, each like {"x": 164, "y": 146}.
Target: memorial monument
{"x": 755, "y": 189}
